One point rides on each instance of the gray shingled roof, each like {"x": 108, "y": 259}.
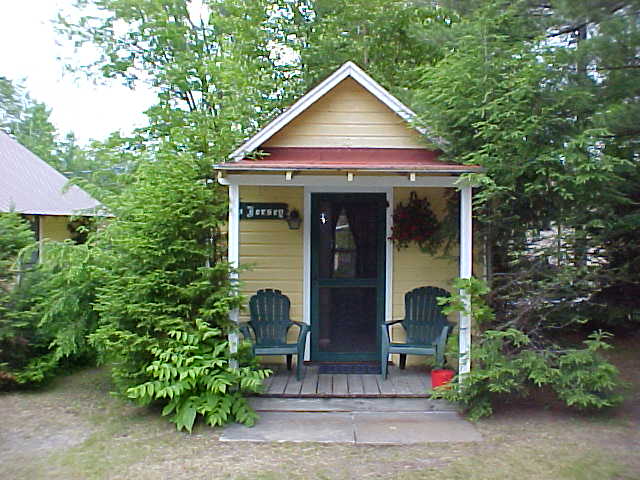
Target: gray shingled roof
{"x": 30, "y": 185}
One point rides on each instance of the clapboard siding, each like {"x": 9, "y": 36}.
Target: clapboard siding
{"x": 413, "y": 268}
{"x": 347, "y": 116}
{"x": 273, "y": 252}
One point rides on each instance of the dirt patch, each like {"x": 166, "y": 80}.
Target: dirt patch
{"x": 33, "y": 438}
{"x": 75, "y": 430}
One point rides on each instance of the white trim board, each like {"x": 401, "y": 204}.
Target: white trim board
{"x": 349, "y": 69}
{"x": 233, "y": 256}
{"x": 340, "y": 181}
{"x": 466, "y": 270}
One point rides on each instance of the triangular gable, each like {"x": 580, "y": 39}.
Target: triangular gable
{"x": 349, "y": 73}
{"x": 348, "y": 116}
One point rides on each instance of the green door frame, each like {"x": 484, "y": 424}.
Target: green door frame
{"x": 378, "y": 200}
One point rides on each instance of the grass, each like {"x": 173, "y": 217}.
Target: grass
{"x": 75, "y": 430}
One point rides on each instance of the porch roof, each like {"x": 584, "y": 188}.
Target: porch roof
{"x": 391, "y": 160}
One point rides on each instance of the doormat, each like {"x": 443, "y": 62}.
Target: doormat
{"x": 350, "y": 369}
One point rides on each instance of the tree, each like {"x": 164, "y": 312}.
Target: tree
{"x": 389, "y": 39}
{"x": 215, "y": 71}
{"x": 28, "y": 121}
{"x": 522, "y": 107}
{"x": 10, "y": 103}
{"x": 164, "y": 307}
{"x": 15, "y": 235}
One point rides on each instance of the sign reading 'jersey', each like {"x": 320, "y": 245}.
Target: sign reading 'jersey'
{"x": 263, "y": 211}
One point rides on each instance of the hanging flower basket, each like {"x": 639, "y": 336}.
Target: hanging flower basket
{"x": 414, "y": 222}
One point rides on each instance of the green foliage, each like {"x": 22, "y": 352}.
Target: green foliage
{"x": 164, "y": 307}
{"x": 507, "y": 363}
{"x": 477, "y": 307}
{"x": 505, "y": 366}
{"x": 214, "y": 68}
{"x": 15, "y": 235}
{"x": 388, "y": 38}
{"x": 110, "y": 164}
{"x": 50, "y": 314}
{"x": 191, "y": 372}
{"x": 218, "y": 77}
{"x": 544, "y": 102}
{"x": 28, "y": 121}
{"x": 61, "y": 298}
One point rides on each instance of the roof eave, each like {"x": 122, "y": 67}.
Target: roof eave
{"x": 230, "y": 167}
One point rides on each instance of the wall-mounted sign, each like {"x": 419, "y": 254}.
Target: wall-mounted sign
{"x": 263, "y": 211}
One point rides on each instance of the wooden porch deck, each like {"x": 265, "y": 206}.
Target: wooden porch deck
{"x": 413, "y": 382}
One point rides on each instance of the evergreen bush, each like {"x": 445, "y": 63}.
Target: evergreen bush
{"x": 15, "y": 235}
{"x": 506, "y": 363}
{"x": 49, "y": 314}
{"x": 165, "y": 304}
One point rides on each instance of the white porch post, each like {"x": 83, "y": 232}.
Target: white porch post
{"x": 466, "y": 259}
{"x": 233, "y": 255}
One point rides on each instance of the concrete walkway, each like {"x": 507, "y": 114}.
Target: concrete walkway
{"x": 384, "y": 421}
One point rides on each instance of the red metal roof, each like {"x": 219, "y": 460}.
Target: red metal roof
{"x": 372, "y": 159}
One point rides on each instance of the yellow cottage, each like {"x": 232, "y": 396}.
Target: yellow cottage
{"x": 335, "y": 162}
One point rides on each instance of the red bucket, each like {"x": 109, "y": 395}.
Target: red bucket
{"x": 441, "y": 377}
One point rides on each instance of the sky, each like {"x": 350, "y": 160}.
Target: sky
{"x": 29, "y": 52}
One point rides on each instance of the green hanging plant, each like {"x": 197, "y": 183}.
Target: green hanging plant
{"x": 415, "y": 222}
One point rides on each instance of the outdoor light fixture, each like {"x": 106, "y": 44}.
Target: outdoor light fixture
{"x": 294, "y": 220}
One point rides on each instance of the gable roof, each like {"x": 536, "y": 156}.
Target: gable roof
{"x": 349, "y": 69}
{"x": 30, "y": 185}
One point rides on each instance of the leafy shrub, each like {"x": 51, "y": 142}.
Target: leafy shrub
{"x": 58, "y": 299}
{"x": 507, "y": 363}
{"x": 51, "y": 314}
{"x": 164, "y": 307}
{"x": 15, "y": 235}
{"x": 191, "y": 370}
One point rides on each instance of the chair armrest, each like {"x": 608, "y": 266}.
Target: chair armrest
{"x": 304, "y": 328}
{"x": 393, "y": 322}
{"x": 245, "y": 330}
{"x": 302, "y": 335}
{"x": 386, "y": 336}
{"x": 442, "y": 339}
{"x": 385, "y": 339}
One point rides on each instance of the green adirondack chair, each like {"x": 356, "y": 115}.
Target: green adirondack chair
{"x": 269, "y": 323}
{"x": 426, "y": 327}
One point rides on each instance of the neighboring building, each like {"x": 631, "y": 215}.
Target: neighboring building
{"x": 340, "y": 156}
{"x": 30, "y": 186}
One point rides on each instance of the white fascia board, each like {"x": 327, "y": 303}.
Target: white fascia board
{"x": 339, "y": 181}
{"x": 349, "y": 69}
